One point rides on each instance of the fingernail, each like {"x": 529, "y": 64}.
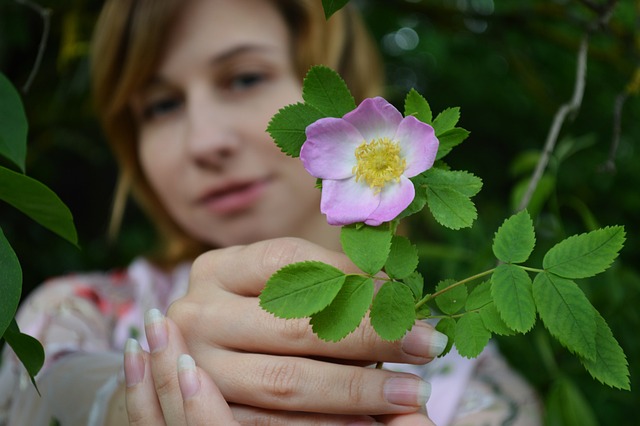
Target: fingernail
{"x": 133, "y": 363}
{"x": 424, "y": 341}
{"x": 156, "y": 329}
{"x": 407, "y": 391}
{"x": 187, "y": 376}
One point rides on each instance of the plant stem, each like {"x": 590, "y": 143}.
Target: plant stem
{"x": 461, "y": 282}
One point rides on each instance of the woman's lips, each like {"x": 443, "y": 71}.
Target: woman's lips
{"x": 236, "y": 198}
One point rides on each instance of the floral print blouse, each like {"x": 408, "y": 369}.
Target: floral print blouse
{"x": 84, "y": 320}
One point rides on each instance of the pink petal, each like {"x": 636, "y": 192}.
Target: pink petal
{"x": 375, "y": 118}
{"x": 347, "y": 201}
{"x": 328, "y": 152}
{"x": 418, "y": 144}
{"x": 394, "y": 198}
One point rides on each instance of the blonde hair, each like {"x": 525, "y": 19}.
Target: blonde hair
{"x": 127, "y": 46}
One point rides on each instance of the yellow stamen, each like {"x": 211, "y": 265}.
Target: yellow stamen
{"x": 379, "y": 162}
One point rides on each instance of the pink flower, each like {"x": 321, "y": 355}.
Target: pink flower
{"x": 365, "y": 160}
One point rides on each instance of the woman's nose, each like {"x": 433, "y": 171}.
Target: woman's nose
{"x": 211, "y": 134}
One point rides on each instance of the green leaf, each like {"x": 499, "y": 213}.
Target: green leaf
{"x": 567, "y": 313}
{"x": 345, "y": 312}
{"x": 325, "y": 90}
{"x": 447, "y": 326}
{"x": 512, "y": 294}
{"x": 452, "y": 300}
{"x": 10, "y": 283}
{"x": 393, "y": 311}
{"x": 28, "y": 350}
{"x": 287, "y": 127}
{"x": 566, "y": 406}
{"x": 446, "y": 120}
{"x": 415, "y": 104}
{"x": 403, "y": 258}
{"x": 415, "y": 282}
{"x": 479, "y": 297}
{"x": 515, "y": 239}
{"x": 13, "y": 125}
{"x": 450, "y": 208}
{"x": 449, "y": 140}
{"x": 301, "y": 289}
{"x": 610, "y": 365}
{"x": 367, "y": 246}
{"x": 493, "y": 321}
{"x": 585, "y": 255}
{"x": 471, "y": 335}
{"x": 418, "y": 202}
{"x": 332, "y": 6}
{"x": 38, "y": 202}
{"x": 460, "y": 181}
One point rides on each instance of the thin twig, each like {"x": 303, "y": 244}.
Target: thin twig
{"x": 610, "y": 165}
{"x": 46, "y": 24}
{"x": 570, "y": 107}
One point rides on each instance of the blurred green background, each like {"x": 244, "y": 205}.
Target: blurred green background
{"x": 508, "y": 64}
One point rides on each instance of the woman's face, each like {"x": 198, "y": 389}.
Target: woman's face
{"x": 226, "y": 70}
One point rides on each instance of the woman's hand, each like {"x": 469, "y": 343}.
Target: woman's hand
{"x": 265, "y": 364}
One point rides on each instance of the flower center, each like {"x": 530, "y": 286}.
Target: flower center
{"x": 379, "y": 162}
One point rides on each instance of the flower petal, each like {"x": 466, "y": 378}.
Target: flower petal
{"x": 347, "y": 201}
{"x": 394, "y": 198}
{"x": 375, "y": 118}
{"x": 328, "y": 152}
{"x": 418, "y": 144}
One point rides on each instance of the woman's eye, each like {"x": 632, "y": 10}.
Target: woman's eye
{"x": 161, "y": 107}
{"x": 246, "y": 81}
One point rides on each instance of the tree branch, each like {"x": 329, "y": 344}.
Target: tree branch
{"x": 45, "y": 14}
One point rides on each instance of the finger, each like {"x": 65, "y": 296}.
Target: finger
{"x": 203, "y": 402}
{"x": 166, "y": 345}
{"x": 143, "y": 407}
{"x": 413, "y": 419}
{"x": 301, "y": 384}
{"x": 252, "y": 415}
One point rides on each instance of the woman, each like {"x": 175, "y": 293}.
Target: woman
{"x": 185, "y": 90}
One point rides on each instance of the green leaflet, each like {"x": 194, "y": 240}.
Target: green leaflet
{"x": 515, "y": 239}
{"x": 13, "y": 125}
{"x": 332, "y": 6}
{"x": 415, "y": 104}
{"x": 287, "y": 127}
{"x": 10, "y": 283}
{"x": 446, "y": 120}
{"x": 325, "y": 90}
{"x": 449, "y": 140}
{"x": 345, "y": 312}
{"x": 29, "y": 350}
{"x": 367, "y": 246}
{"x": 393, "y": 311}
{"x": 301, "y": 289}
{"x": 471, "y": 335}
{"x": 447, "y": 326}
{"x": 567, "y": 313}
{"x": 453, "y": 300}
{"x": 480, "y": 300}
{"x": 38, "y": 202}
{"x": 512, "y": 295}
{"x": 585, "y": 255}
{"x": 415, "y": 282}
{"x": 403, "y": 258}
{"x": 610, "y": 365}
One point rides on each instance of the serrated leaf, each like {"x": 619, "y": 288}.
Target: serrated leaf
{"x": 418, "y": 202}
{"x": 13, "y": 125}
{"x": 301, "y": 289}
{"x": 446, "y": 120}
{"x": 450, "y": 208}
{"x": 28, "y": 350}
{"x": 479, "y": 297}
{"x": 332, "y": 6}
{"x": 38, "y": 202}
{"x": 447, "y": 326}
{"x": 515, "y": 239}
{"x": 566, "y": 313}
{"x": 471, "y": 335}
{"x": 367, "y": 246}
{"x": 513, "y": 297}
{"x": 585, "y": 255}
{"x": 325, "y": 90}
{"x": 415, "y": 282}
{"x": 453, "y": 300}
{"x": 460, "y": 181}
{"x": 287, "y": 127}
{"x": 393, "y": 311}
{"x": 345, "y": 312}
{"x": 610, "y": 365}
{"x": 493, "y": 321}
{"x": 10, "y": 283}
{"x": 449, "y": 140}
{"x": 403, "y": 258}
{"x": 415, "y": 104}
